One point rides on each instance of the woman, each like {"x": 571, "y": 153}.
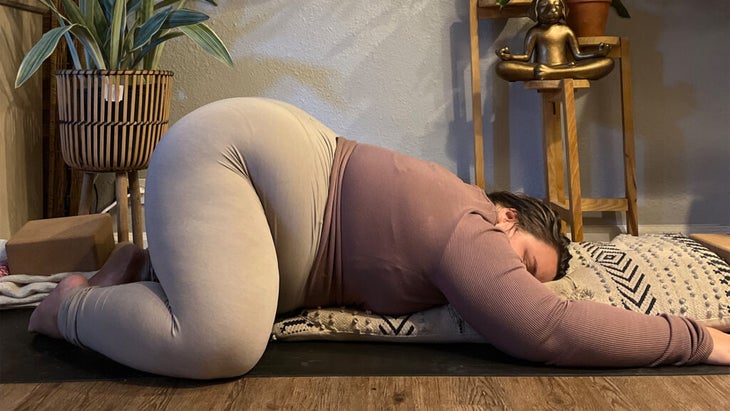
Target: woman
{"x": 253, "y": 207}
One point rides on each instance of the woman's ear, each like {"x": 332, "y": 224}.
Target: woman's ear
{"x": 506, "y": 219}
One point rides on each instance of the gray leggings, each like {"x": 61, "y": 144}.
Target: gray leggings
{"x": 234, "y": 204}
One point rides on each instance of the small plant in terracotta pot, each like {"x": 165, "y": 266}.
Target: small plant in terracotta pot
{"x": 587, "y": 18}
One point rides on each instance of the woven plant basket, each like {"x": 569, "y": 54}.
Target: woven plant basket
{"x": 112, "y": 120}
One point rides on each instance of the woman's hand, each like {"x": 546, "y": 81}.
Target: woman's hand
{"x": 720, "y": 354}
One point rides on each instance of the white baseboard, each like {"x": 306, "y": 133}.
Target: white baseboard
{"x": 684, "y": 228}
{"x": 607, "y": 232}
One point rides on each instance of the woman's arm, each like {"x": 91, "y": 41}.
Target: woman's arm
{"x": 720, "y": 354}
{"x": 488, "y": 285}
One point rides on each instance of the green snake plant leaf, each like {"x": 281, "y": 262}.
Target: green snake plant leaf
{"x": 63, "y": 21}
{"x": 118, "y": 24}
{"x": 620, "y": 8}
{"x": 88, "y": 8}
{"x": 150, "y": 28}
{"x": 55, "y": 10}
{"x": 90, "y": 46}
{"x": 107, "y": 7}
{"x": 82, "y": 16}
{"x": 206, "y": 38}
{"x": 185, "y": 17}
{"x": 151, "y": 46}
{"x": 133, "y": 5}
{"x": 164, "y": 3}
{"x": 98, "y": 23}
{"x": 146, "y": 9}
{"x": 112, "y": 34}
{"x": 74, "y": 13}
{"x": 39, "y": 53}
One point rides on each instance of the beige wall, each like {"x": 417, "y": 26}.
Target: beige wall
{"x": 21, "y": 167}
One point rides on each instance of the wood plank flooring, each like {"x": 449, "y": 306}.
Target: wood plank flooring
{"x": 709, "y": 392}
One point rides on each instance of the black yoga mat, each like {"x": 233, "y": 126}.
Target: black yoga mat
{"x": 26, "y": 357}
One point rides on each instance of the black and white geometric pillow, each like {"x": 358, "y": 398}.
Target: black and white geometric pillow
{"x": 652, "y": 274}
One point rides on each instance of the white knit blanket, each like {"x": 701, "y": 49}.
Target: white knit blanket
{"x": 20, "y": 290}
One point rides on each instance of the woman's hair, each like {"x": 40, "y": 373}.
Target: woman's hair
{"x": 537, "y": 218}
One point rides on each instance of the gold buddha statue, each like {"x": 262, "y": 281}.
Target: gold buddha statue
{"x": 552, "y": 51}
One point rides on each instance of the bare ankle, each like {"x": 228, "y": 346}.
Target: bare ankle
{"x": 123, "y": 266}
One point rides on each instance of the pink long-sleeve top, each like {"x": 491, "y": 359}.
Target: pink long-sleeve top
{"x": 403, "y": 235}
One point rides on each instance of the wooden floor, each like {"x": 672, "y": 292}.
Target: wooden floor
{"x": 711, "y": 392}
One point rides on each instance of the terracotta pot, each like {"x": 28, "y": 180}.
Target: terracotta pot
{"x": 112, "y": 120}
{"x": 587, "y": 18}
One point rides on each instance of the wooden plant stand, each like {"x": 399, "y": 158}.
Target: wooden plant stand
{"x": 559, "y": 123}
{"x": 559, "y": 102}
{"x": 111, "y": 121}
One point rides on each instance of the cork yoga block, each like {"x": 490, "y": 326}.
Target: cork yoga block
{"x": 717, "y": 243}
{"x": 57, "y": 245}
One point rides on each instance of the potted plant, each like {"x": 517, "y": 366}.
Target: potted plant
{"x": 114, "y": 107}
{"x": 587, "y": 18}
{"x": 121, "y": 34}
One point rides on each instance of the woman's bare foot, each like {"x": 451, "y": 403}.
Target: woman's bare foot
{"x": 44, "y": 319}
{"x": 124, "y": 265}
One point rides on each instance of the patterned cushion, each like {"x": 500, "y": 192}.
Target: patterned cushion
{"x": 653, "y": 274}
{"x": 440, "y": 324}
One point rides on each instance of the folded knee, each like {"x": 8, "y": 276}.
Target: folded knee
{"x": 213, "y": 349}
{"x": 213, "y": 361}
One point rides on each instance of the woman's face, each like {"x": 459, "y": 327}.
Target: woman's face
{"x": 539, "y": 258}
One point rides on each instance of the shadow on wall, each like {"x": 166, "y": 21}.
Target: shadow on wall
{"x": 661, "y": 145}
{"x": 355, "y": 66}
{"x": 511, "y": 116}
{"x": 267, "y": 72}
{"x": 682, "y": 132}
{"x": 460, "y": 142}
{"x": 705, "y": 206}
{"x": 21, "y": 143}
{"x": 256, "y": 69}
{"x": 708, "y": 195}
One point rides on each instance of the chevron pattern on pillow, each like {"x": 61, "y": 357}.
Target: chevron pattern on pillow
{"x": 652, "y": 274}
